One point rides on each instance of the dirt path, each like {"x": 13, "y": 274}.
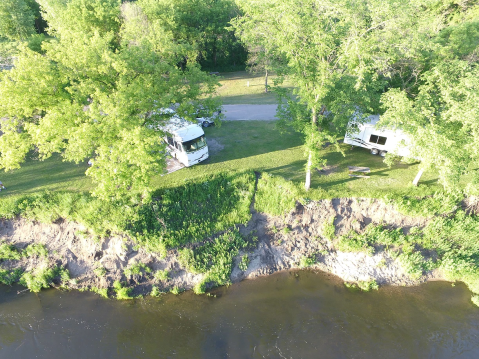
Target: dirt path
{"x": 250, "y": 112}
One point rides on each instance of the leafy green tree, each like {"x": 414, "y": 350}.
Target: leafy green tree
{"x": 319, "y": 40}
{"x": 92, "y": 95}
{"x": 202, "y": 25}
{"x": 263, "y": 54}
{"x": 81, "y": 16}
{"x": 16, "y": 19}
{"x": 442, "y": 117}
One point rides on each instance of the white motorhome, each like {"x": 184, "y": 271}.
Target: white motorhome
{"x": 379, "y": 141}
{"x": 185, "y": 141}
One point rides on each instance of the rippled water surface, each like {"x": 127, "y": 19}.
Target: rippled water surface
{"x": 286, "y": 315}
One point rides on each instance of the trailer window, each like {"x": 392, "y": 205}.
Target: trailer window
{"x": 170, "y": 140}
{"x": 380, "y": 140}
{"x": 194, "y": 145}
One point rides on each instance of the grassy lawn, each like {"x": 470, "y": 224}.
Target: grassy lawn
{"x": 241, "y": 87}
{"x": 52, "y": 175}
{"x": 239, "y": 146}
{"x": 256, "y": 145}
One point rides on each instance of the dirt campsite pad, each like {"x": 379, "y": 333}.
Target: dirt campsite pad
{"x": 173, "y": 165}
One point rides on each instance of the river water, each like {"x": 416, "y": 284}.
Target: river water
{"x": 286, "y": 315}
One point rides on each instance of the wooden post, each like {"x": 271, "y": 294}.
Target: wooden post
{"x": 418, "y": 177}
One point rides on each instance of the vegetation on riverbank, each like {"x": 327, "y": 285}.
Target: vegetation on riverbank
{"x": 191, "y": 218}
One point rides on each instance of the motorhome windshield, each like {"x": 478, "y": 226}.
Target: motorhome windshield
{"x": 194, "y": 145}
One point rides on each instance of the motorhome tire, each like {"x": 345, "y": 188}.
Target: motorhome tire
{"x": 374, "y": 151}
{"x": 206, "y": 124}
{"x": 383, "y": 153}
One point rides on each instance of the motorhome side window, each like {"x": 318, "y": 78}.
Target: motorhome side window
{"x": 380, "y": 140}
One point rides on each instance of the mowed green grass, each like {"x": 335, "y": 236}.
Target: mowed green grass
{"x": 52, "y": 174}
{"x": 239, "y": 146}
{"x": 258, "y": 146}
{"x": 242, "y": 87}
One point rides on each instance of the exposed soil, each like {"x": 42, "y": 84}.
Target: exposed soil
{"x": 278, "y": 248}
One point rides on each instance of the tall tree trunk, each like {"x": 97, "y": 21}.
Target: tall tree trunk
{"x": 307, "y": 183}
{"x": 266, "y": 81}
{"x": 418, "y": 177}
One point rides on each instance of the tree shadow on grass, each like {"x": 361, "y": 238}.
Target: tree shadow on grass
{"x": 51, "y": 174}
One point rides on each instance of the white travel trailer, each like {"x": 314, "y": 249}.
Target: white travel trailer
{"x": 185, "y": 141}
{"x": 379, "y": 141}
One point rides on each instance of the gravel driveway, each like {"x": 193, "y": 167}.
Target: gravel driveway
{"x": 249, "y": 112}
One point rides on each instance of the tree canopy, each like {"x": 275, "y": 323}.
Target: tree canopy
{"x": 92, "y": 95}
{"x": 16, "y": 19}
{"x": 413, "y": 60}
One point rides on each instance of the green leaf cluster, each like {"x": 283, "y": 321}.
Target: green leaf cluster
{"x": 43, "y": 278}
{"x": 122, "y": 293}
{"x": 136, "y": 269}
{"x": 213, "y": 259}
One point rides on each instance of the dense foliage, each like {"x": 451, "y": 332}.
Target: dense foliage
{"x": 448, "y": 243}
{"x": 202, "y": 27}
{"x": 92, "y": 92}
{"x": 175, "y": 217}
{"x": 418, "y": 57}
{"x": 191, "y": 212}
{"x": 213, "y": 259}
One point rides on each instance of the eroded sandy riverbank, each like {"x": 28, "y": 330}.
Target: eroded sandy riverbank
{"x": 282, "y": 243}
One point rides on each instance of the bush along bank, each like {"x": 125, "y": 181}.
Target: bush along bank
{"x": 206, "y": 233}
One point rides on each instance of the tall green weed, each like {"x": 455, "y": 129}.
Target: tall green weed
{"x": 194, "y": 211}
{"x": 437, "y": 204}
{"x": 213, "y": 259}
{"x": 42, "y": 278}
{"x": 275, "y": 195}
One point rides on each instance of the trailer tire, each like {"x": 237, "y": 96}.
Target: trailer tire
{"x": 206, "y": 124}
{"x": 383, "y": 153}
{"x": 374, "y": 151}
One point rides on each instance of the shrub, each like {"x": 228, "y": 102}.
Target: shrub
{"x": 136, "y": 269}
{"x": 122, "y": 293}
{"x": 103, "y": 292}
{"x": 42, "y": 278}
{"x": 243, "y": 264}
{"x": 155, "y": 292}
{"x": 306, "y": 261}
{"x": 9, "y": 277}
{"x": 100, "y": 271}
{"x": 286, "y": 230}
{"x": 9, "y": 252}
{"x": 329, "y": 230}
{"x": 366, "y": 286}
{"x": 35, "y": 250}
{"x": 214, "y": 259}
{"x": 175, "y": 290}
{"x": 354, "y": 242}
{"x": 161, "y": 275}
